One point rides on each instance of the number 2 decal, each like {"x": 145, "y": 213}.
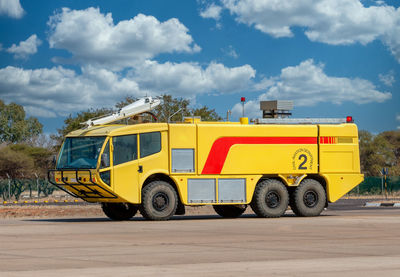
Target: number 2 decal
{"x": 304, "y": 158}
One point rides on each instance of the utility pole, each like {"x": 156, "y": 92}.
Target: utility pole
{"x": 228, "y": 113}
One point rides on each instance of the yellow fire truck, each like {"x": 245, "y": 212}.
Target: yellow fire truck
{"x": 159, "y": 168}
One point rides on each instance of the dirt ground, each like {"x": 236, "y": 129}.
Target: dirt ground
{"x": 65, "y": 206}
{"x": 72, "y": 210}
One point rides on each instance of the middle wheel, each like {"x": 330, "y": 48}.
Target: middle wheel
{"x": 270, "y": 198}
{"x": 159, "y": 201}
{"x": 230, "y": 211}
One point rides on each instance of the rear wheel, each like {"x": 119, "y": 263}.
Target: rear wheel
{"x": 230, "y": 211}
{"x": 119, "y": 211}
{"x": 308, "y": 199}
{"x": 159, "y": 201}
{"x": 270, "y": 198}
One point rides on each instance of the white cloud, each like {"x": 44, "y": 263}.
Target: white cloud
{"x": 230, "y": 51}
{"x": 388, "y": 79}
{"x": 11, "y": 8}
{"x": 307, "y": 85}
{"x": 251, "y": 109}
{"x": 212, "y": 11}
{"x": 58, "y": 91}
{"x": 92, "y": 37}
{"x": 190, "y": 79}
{"x": 39, "y": 112}
{"x": 339, "y": 22}
{"x": 263, "y": 84}
{"x": 25, "y": 48}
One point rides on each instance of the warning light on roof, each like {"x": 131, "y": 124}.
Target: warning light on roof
{"x": 242, "y": 99}
{"x": 349, "y": 119}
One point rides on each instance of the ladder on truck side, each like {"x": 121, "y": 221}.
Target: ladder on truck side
{"x": 142, "y": 105}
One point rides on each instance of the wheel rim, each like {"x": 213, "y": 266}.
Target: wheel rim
{"x": 125, "y": 206}
{"x": 272, "y": 199}
{"x": 160, "y": 201}
{"x": 310, "y": 198}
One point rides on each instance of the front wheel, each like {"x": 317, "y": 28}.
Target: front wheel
{"x": 270, "y": 199}
{"x": 308, "y": 199}
{"x": 230, "y": 211}
{"x": 159, "y": 201}
{"x": 119, "y": 211}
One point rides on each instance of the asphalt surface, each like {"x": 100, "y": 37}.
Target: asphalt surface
{"x": 346, "y": 240}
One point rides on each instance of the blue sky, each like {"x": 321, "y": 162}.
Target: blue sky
{"x": 333, "y": 58}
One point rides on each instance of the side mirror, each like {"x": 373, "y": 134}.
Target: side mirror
{"x": 105, "y": 160}
{"x": 54, "y": 161}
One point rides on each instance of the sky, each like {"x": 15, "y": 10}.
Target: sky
{"x": 332, "y": 58}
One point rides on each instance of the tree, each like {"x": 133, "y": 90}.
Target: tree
{"x": 14, "y": 163}
{"x": 393, "y": 137}
{"x": 207, "y": 114}
{"x": 376, "y": 152}
{"x": 72, "y": 123}
{"x": 175, "y": 107}
{"x": 14, "y": 127}
{"x": 172, "y": 109}
{"x": 42, "y": 157}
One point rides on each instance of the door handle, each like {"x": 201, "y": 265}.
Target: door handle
{"x": 140, "y": 169}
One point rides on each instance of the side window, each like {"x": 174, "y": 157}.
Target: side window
{"x": 150, "y": 143}
{"x": 105, "y": 157}
{"x": 125, "y": 149}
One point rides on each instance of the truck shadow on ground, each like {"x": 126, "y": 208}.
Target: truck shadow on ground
{"x": 174, "y": 218}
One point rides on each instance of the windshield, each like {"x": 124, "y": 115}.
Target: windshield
{"x": 80, "y": 152}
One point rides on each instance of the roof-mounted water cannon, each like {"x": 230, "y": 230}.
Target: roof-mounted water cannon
{"x": 276, "y": 108}
{"x": 279, "y": 111}
{"x": 142, "y": 105}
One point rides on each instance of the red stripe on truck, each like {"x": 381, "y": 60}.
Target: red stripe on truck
{"x": 327, "y": 140}
{"x": 220, "y": 148}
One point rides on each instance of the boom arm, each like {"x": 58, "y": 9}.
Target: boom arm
{"x": 142, "y": 105}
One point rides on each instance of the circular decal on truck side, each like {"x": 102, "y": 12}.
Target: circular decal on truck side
{"x": 302, "y": 159}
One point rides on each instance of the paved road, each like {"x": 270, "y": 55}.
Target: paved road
{"x": 341, "y": 242}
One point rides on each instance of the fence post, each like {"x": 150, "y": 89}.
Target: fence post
{"x": 9, "y": 186}
{"x": 37, "y": 183}
{"x": 386, "y": 191}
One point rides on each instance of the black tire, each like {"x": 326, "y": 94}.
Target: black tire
{"x": 159, "y": 201}
{"x": 308, "y": 199}
{"x": 119, "y": 211}
{"x": 230, "y": 211}
{"x": 270, "y": 198}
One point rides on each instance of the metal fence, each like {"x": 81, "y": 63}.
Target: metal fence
{"x": 378, "y": 186}
{"x": 36, "y": 188}
{"x": 31, "y": 188}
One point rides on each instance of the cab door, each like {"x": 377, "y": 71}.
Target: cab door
{"x": 125, "y": 167}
